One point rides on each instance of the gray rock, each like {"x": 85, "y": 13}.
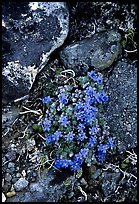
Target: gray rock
{"x": 18, "y": 175}
{"x": 99, "y": 51}
{"x": 21, "y": 184}
{"x": 11, "y": 165}
{"x": 96, "y": 174}
{"x": 44, "y": 189}
{"x": 11, "y": 170}
{"x": 121, "y": 111}
{"x": 8, "y": 177}
{"x": 3, "y": 197}
{"x": 7, "y": 186}
{"x": 31, "y": 31}
{"x": 83, "y": 181}
{"x": 9, "y": 115}
{"x": 37, "y": 190}
{"x": 27, "y": 196}
{"x": 11, "y": 156}
{"x": 109, "y": 182}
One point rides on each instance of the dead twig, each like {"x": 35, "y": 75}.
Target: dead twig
{"x": 83, "y": 192}
{"x": 111, "y": 166}
{"x": 130, "y": 51}
{"x": 70, "y": 71}
{"x": 24, "y": 133}
{"x": 41, "y": 136}
{"x": 38, "y": 112}
{"x": 22, "y": 98}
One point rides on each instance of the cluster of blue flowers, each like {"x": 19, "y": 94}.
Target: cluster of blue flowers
{"x": 74, "y": 164}
{"x": 71, "y": 123}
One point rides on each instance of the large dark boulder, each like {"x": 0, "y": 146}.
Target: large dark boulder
{"x": 31, "y": 31}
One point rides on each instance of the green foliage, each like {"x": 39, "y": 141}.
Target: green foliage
{"x": 37, "y": 127}
{"x": 129, "y": 39}
{"x": 100, "y": 121}
{"x": 123, "y": 165}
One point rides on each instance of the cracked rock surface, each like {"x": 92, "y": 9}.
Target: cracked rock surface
{"x": 121, "y": 112}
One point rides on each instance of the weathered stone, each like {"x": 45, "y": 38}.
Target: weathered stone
{"x": 10, "y": 113}
{"x": 83, "y": 182}
{"x": 98, "y": 51}
{"x": 109, "y": 183}
{"x": 30, "y": 33}
{"x": 10, "y": 194}
{"x": 121, "y": 111}
{"x": 21, "y": 184}
{"x": 11, "y": 156}
{"x": 18, "y": 175}
{"x": 11, "y": 165}
{"x": 7, "y": 186}
{"x": 43, "y": 189}
{"x": 96, "y": 174}
{"x": 8, "y": 177}
{"x": 3, "y": 197}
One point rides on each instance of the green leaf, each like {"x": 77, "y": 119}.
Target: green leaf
{"x": 92, "y": 84}
{"x": 67, "y": 150}
{"x": 100, "y": 121}
{"x": 123, "y": 165}
{"x": 35, "y": 126}
{"x": 127, "y": 161}
{"x": 64, "y": 153}
{"x": 40, "y": 129}
{"x": 58, "y": 70}
{"x": 74, "y": 122}
{"x": 123, "y": 43}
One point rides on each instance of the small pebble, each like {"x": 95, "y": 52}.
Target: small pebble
{"x": 13, "y": 147}
{"x": 71, "y": 195}
{"x": 33, "y": 179}
{"x": 14, "y": 180}
{"x": 2, "y": 182}
{"x": 96, "y": 174}
{"x": 7, "y": 186}
{"x": 128, "y": 127}
{"x": 24, "y": 173}
{"x": 18, "y": 175}
{"x": 11, "y": 156}
{"x": 10, "y": 194}
{"x": 3, "y": 197}
{"x": 83, "y": 182}
{"x": 8, "y": 177}
{"x": 21, "y": 184}
{"x": 11, "y": 165}
{"x": 34, "y": 174}
{"x": 11, "y": 170}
